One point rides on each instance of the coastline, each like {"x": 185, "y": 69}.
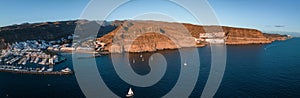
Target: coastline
{"x": 93, "y": 56}
{"x": 196, "y": 46}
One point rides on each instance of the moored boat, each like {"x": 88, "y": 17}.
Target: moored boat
{"x": 66, "y": 70}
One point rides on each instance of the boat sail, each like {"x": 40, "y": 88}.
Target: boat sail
{"x": 130, "y": 93}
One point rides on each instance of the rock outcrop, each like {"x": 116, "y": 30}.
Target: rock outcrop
{"x": 276, "y": 37}
{"x": 146, "y": 36}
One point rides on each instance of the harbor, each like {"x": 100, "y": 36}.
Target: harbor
{"x": 32, "y": 57}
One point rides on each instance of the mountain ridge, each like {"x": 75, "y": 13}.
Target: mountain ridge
{"x": 161, "y": 35}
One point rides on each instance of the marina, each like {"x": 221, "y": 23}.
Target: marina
{"x": 30, "y": 57}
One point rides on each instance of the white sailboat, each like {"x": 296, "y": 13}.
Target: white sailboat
{"x": 130, "y": 93}
{"x": 133, "y": 61}
{"x": 185, "y": 64}
{"x": 141, "y": 56}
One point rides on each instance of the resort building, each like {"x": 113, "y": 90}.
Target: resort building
{"x": 213, "y": 38}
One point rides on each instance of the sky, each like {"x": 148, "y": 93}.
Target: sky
{"x": 265, "y": 15}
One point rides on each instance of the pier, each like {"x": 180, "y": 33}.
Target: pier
{"x": 10, "y": 69}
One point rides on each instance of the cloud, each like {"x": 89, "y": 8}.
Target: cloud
{"x": 279, "y": 26}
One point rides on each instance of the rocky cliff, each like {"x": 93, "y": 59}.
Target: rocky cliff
{"x": 133, "y": 36}
{"x": 142, "y": 36}
{"x": 237, "y": 36}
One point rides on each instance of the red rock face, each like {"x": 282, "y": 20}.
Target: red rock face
{"x": 151, "y": 42}
{"x": 246, "y": 36}
{"x": 143, "y": 36}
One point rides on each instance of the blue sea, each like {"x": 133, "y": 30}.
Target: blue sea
{"x": 270, "y": 70}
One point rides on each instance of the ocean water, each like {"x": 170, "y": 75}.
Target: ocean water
{"x": 271, "y": 70}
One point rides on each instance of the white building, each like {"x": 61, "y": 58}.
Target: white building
{"x": 216, "y": 41}
{"x": 213, "y": 38}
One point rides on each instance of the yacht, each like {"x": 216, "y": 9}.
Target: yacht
{"x": 43, "y": 69}
{"x": 66, "y": 70}
{"x": 24, "y": 62}
{"x": 50, "y": 69}
{"x": 36, "y": 60}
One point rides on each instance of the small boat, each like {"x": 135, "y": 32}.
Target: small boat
{"x": 130, "y": 93}
{"x": 133, "y": 61}
{"x": 185, "y": 64}
{"x": 24, "y": 63}
{"x": 40, "y": 71}
{"x": 96, "y": 55}
{"x": 141, "y": 56}
{"x": 43, "y": 69}
{"x": 66, "y": 70}
{"x": 36, "y": 60}
{"x": 50, "y": 69}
